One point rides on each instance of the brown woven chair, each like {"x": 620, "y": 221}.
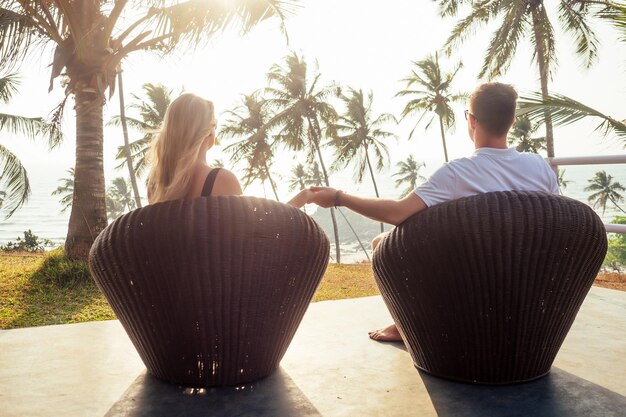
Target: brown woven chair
{"x": 210, "y": 290}
{"x": 484, "y": 289}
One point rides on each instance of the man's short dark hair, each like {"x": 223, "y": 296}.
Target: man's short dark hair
{"x": 493, "y": 106}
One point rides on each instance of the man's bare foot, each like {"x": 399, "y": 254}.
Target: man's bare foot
{"x": 388, "y": 334}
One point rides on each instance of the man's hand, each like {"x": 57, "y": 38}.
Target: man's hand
{"x": 323, "y": 196}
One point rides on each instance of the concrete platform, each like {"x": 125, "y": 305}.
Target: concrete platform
{"x": 330, "y": 369}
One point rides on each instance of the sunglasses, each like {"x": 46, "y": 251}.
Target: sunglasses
{"x": 467, "y": 114}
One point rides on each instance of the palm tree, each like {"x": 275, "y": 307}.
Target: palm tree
{"x": 520, "y": 135}
{"x": 127, "y": 152}
{"x": 429, "y": 91}
{"x": 298, "y": 179}
{"x": 605, "y": 190}
{"x": 14, "y": 183}
{"x": 300, "y": 108}
{"x": 248, "y": 121}
{"x": 256, "y": 170}
{"x": 408, "y": 172}
{"x": 91, "y": 40}
{"x": 151, "y": 107}
{"x": 525, "y": 19}
{"x": 564, "y": 110}
{"x": 560, "y": 178}
{"x": 119, "y": 198}
{"x": 66, "y": 190}
{"x": 356, "y": 132}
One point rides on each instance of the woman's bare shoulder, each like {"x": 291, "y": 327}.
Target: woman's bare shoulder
{"x": 226, "y": 183}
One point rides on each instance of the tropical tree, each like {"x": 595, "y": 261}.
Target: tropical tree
{"x": 298, "y": 179}
{"x": 560, "y": 178}
{"x": 126, "y": 147}
{"x": 409, "y": 173}
{"x": 248, "y": 121}
{"x": 151, "y": 107}
{"x": 14, "y": 183}
{"x": 356, "y": 132}
{"x": 119, "y": 198}
{"x": 564, "y": 110}
{"x": 300, "y": 108}
{"x": 428, "y": 89}
{"x": 530, "y": 20}
{"x": 91, "y": 38}
{"x": 604, "y": 190}
{"x": 66, "y": 190}
{"x": 521, "y": 134}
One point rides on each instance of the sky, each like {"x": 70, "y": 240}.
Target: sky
{"x": 363, "y": 44}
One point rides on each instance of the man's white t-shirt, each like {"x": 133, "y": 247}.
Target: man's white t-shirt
{"x": 488, "y": 169}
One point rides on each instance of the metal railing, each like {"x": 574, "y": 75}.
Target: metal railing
{"x": 593, "y": 160}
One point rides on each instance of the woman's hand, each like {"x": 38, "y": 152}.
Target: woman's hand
{"x": 301, "y": 198}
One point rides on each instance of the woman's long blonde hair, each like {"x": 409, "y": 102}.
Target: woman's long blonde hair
{"x": 177, "y": 147}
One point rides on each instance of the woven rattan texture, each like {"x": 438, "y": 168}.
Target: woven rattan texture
{"x": 485, "y": 288}
{"x": 211, "y": 290}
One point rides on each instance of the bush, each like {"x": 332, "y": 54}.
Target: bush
{"x": 61, "y": 271}
{"x": 616, "y": 254}
{"x": 30, "y": 243}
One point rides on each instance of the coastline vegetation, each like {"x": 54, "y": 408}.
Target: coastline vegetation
{"x": 40, "y": 289}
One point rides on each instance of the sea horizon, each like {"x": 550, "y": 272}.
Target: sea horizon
{"x": 41, "y": 214}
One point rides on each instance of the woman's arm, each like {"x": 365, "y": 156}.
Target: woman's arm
{"x": 301, "y": 198}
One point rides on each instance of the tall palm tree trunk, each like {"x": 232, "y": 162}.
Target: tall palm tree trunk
{"x": 88, "y": 217}
{"x": 367, "y": 255}
{"x": 443, "y": 138}
{"x": 269, "y": 177}
{"x": 315, "y": 141}
{"x": 129, "y": 160}
{"x": 616, "y": 205}
{"x": 369, "y": 165}
{"x": 543, "y": 75}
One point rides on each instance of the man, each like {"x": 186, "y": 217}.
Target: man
{"x": 492, "y": 167}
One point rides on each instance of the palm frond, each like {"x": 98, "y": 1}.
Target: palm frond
{"x": 565, "y": 110}
{"x": 9, "y": 85}
{"x": 13, "y": 182}
{"x": 194, "y": 21}
{"x": 18, "y": 33}
{"x": 481, "y": 13}
{"x": 575, "y": 22}
{"x": 503, "y": 44}
{"x": 450, "y": 7}
{"x": 615, "y": 14}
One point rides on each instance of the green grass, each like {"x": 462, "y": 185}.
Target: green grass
{"x": 39, "y": 290}
{"x": 33, "y": 292}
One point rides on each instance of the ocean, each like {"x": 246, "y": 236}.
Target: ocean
{"x": 42, "y": 214}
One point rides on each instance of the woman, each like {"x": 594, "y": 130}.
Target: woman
{"x": 178, "y": 156}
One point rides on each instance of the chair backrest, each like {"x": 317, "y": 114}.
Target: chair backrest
{"x": 211, "y": 290}
{"x": 485, "y": 288}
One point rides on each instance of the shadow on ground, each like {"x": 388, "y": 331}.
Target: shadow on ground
{"x": 276, "y": 395}
{"x": 559, "y": 394}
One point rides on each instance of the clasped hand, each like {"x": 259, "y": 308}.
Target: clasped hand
{"x": 322, "y": 196}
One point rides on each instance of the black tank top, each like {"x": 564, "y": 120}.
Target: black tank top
{"x": 208, "y": 183}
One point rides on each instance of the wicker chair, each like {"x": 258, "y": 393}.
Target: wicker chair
{"x": 484, "y": 289}
{"x": 210, "y": 290}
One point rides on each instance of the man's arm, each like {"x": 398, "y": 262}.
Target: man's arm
{"x": 379, "y": 209}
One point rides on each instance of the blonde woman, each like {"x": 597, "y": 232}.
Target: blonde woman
{"x": 178, "y": 156}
